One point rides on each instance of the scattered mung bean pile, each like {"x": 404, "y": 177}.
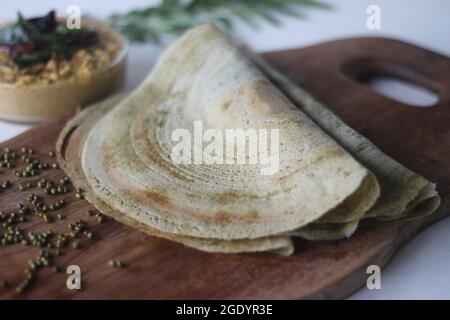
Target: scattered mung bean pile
{"x": 43, "y": 199}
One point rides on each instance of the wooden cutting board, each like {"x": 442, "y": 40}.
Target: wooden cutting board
{"x": 158, "y": 269}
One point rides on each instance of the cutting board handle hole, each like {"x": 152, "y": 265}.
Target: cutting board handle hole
{"x": 402, "y": 91}
{"x": 397, "y": 82}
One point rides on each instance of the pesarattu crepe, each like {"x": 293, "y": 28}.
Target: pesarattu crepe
{"x": 120, "y": 153}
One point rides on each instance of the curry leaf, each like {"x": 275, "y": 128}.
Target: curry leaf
{"x": 172, "y": 17}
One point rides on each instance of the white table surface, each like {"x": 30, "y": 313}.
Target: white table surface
{"x": 421, "y": 270}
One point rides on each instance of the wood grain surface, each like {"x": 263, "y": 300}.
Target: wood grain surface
{"x": 158, "y": 269}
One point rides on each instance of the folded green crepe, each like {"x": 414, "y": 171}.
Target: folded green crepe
{"x": 329, "y": 176}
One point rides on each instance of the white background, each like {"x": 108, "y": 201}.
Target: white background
{"x": 422, "y": 268}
